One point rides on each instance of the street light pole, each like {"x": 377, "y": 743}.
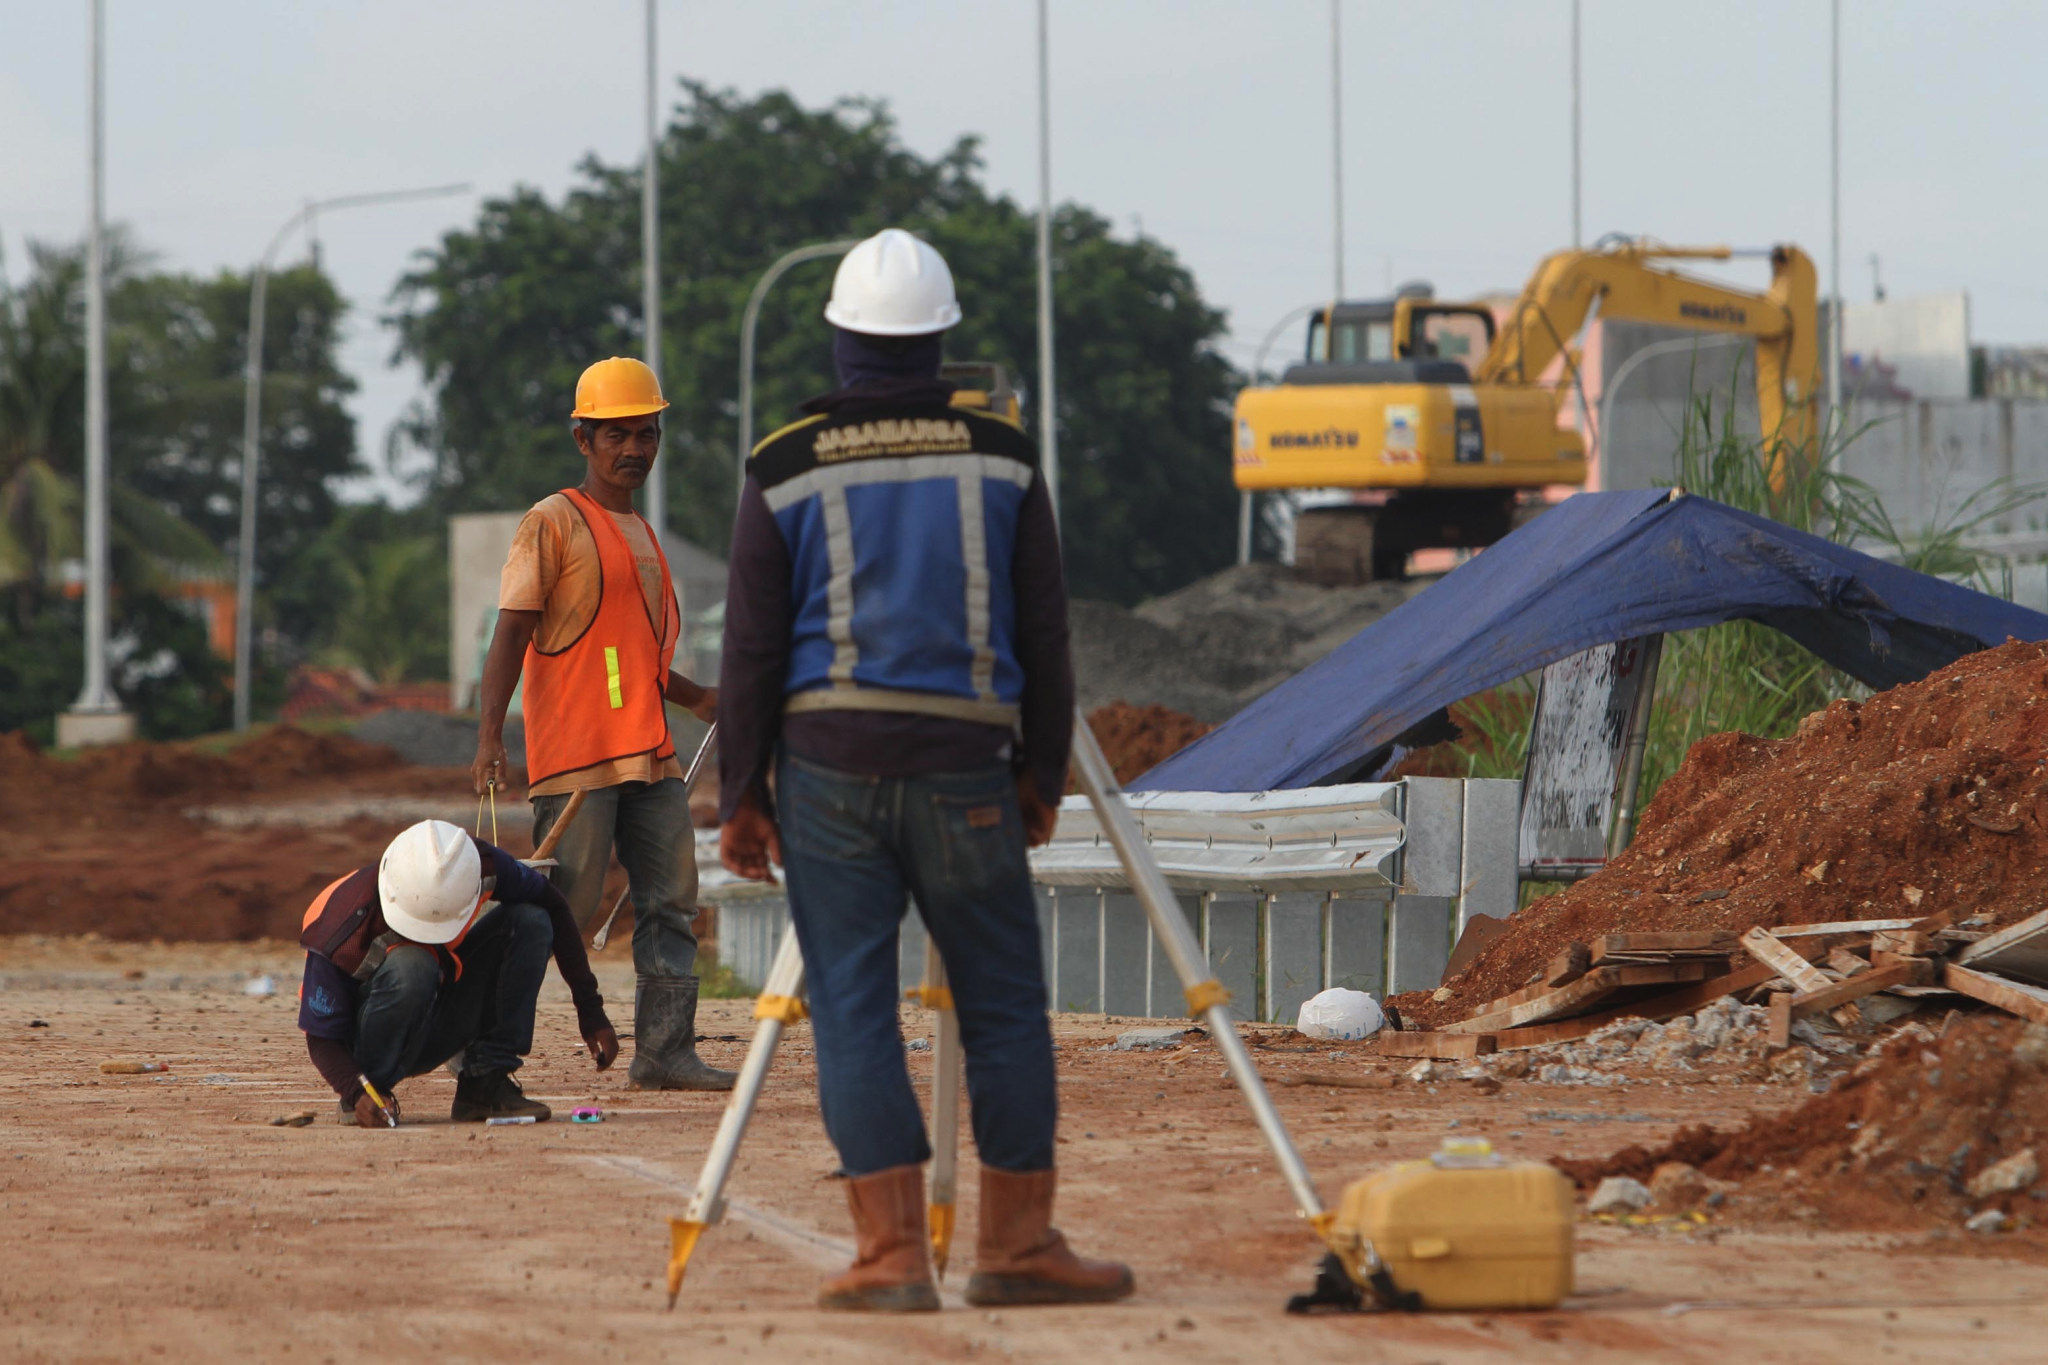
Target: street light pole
{"x": 1048, "y": 408}
{"x": 1337, "y": 143}
{"x": 1578, "y": 198}
{"x": 1834, "y": 212}
{"x": 96, "y": 717}
{"x": 252, "y": 413}
{"x": 749, "y": 323}
{"x": 650, "y": 273}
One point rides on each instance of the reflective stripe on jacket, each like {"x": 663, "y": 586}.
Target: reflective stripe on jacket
{"x": 599, "y": 697}
{"x": 900, "y": 526}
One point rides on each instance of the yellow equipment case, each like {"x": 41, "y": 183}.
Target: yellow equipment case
{"x": 1464, "y": 1230}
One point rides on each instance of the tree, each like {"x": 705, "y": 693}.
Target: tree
{"x": 175, "y": 349}
{"x": 502, "y": 316}
{"x": 177, "y": 390}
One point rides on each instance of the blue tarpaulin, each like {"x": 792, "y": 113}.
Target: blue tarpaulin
{"x": 1597, "y": 568}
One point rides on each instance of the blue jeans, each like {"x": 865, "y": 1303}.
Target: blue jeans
{"x": 408, "y": 1022}
{"x": 648, "y": 825}
{"x": 854, "y": 848}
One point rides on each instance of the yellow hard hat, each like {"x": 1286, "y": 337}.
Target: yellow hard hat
{"x": 618, "y": 387}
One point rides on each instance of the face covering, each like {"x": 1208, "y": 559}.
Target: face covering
{"x": 865, "y": 361}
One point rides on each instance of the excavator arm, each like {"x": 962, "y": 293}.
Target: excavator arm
{"x": 1624, "y": 284}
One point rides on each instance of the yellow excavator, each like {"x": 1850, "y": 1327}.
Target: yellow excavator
{"x": 1414, "y": 423}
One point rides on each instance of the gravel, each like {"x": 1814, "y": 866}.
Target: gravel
{"x": 434, "y": 739}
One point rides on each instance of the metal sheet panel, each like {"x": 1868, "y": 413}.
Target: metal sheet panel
{"x": 1126, "y": 939}
{"x": 1168, "y": 999}
{"x": 1294, "y": 954}
{"x": 1357, "y": 953}
{"x": 1432, "y": 859}
{"x": 1232, "y": 942}
{"x": 1490, "y": 882}
{"x": 1077, "y": 953}
{"x": 1419, "y": 943}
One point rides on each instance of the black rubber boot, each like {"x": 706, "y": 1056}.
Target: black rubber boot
{"x": 665, "y": 1039}
{"x": 493, "y": 1095}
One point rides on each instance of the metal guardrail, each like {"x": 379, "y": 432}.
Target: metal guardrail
{"x": 1364, "y": 885}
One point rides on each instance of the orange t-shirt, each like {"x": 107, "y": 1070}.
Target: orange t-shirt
{"x": 553, "y": 569}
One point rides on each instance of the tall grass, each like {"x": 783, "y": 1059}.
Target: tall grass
{"x": 1743, "y": 676}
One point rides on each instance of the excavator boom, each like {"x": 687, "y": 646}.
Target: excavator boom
{"x": 1624, "y": 284}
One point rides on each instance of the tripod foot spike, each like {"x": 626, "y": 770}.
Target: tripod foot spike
{"x": 942, "y": 1237}
{"x": 683, "y": 1234}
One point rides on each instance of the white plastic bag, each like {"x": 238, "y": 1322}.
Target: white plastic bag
{"x": 1340, "y": 1015}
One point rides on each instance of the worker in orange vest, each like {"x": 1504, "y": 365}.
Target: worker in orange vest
{"x": 587, "y": 616}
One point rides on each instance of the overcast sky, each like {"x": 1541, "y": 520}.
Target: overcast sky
{"x": 1204, "y": 121}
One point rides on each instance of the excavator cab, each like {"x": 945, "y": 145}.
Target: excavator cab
{"x": 1410, "y": 327}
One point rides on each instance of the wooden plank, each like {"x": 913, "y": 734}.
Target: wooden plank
{"x": 1899, "y": 942}
{"x": 1444, "y": 1046}
{"x": 1341, "y": 1082}
{"x": 1766, "y": 948}
{"x": 1842, "y": 992}
{"x": 1593, "y": 986}
{"x": 1840, "y": 926}
{"x": 1669, "y": 1005}
{"x": 2018, "y": 949}
{"x": 1846, "y": 962}
{"x": 1688, "y": 941}
{"x": 2014, "y": 997}
{"x": 1573, "y": 961}
{"x": 1627, "y": 975}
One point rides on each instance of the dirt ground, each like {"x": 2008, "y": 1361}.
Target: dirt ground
{"x": 163, "y": 1217}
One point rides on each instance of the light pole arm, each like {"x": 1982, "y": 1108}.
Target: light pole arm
{"x": 252, "y": 421}
{"x": 749, "y": 325}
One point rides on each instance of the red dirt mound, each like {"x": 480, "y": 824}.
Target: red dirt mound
{"x": 33, "y": 784}
{"x": 1929, "y": 797}
{"x": 1136, "y": 738}
{"x": 1896, "y": 1144}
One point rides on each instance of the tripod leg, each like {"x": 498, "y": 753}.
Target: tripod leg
{"x": 780, "y": 1005}
{"x": 1207, "y": 1000}
{"x": 936, "y": 994}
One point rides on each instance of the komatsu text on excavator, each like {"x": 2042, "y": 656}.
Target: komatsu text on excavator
{"x": 1413, "y": 423}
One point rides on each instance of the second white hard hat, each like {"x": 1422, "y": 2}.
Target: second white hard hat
{"x": 430, "y": 882}
{"x": 893, "y": 285}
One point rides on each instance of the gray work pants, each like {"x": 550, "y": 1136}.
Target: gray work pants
{"x": 648, "y": 824}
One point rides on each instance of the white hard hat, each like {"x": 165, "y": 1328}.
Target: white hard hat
{"x": 893, "y": 285}
{"x": 430, "y": 881}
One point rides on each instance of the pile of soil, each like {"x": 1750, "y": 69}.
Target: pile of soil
{"x": 102, "y": 842}
{"x": 1218, "y": 643}
{"x": 1137, "y": 738}
{"x": 1930, "y": 797}
{"x": 39, "y": 787}
{"x": 1896, "y": 1144}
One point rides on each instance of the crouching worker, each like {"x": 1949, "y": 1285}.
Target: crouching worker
{"x": 439, "y": 950}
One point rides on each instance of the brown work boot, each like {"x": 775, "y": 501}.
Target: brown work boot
{"x": 892, "y": 1268}
{"x": 1022, "y": 1258}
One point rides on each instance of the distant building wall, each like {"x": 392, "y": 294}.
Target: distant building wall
{"x": 477, "y": 545}
{"x": 1927, "y": 459}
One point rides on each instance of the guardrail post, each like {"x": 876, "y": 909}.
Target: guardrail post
{"x": 1488, "y": 882}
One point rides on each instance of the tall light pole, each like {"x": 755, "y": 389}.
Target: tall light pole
{"x": 650, "y": 272}
{"x": 252, "y": 415}
{"x": 1578, "y": 199}
{"x": 1834, "y": 211}
{"x": 1048, "y": 409}
{"x": 1337, "y": 144}
{"x": 96, "y": 717}
{"x": 750, "y": 320}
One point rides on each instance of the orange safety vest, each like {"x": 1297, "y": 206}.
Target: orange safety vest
{"x": 599, "y": 697}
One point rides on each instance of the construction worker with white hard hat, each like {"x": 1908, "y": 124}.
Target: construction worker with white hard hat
{"x": 587, "y": 617}
{"x": 896, "y": 655}
{"x": 439, "y": 950}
